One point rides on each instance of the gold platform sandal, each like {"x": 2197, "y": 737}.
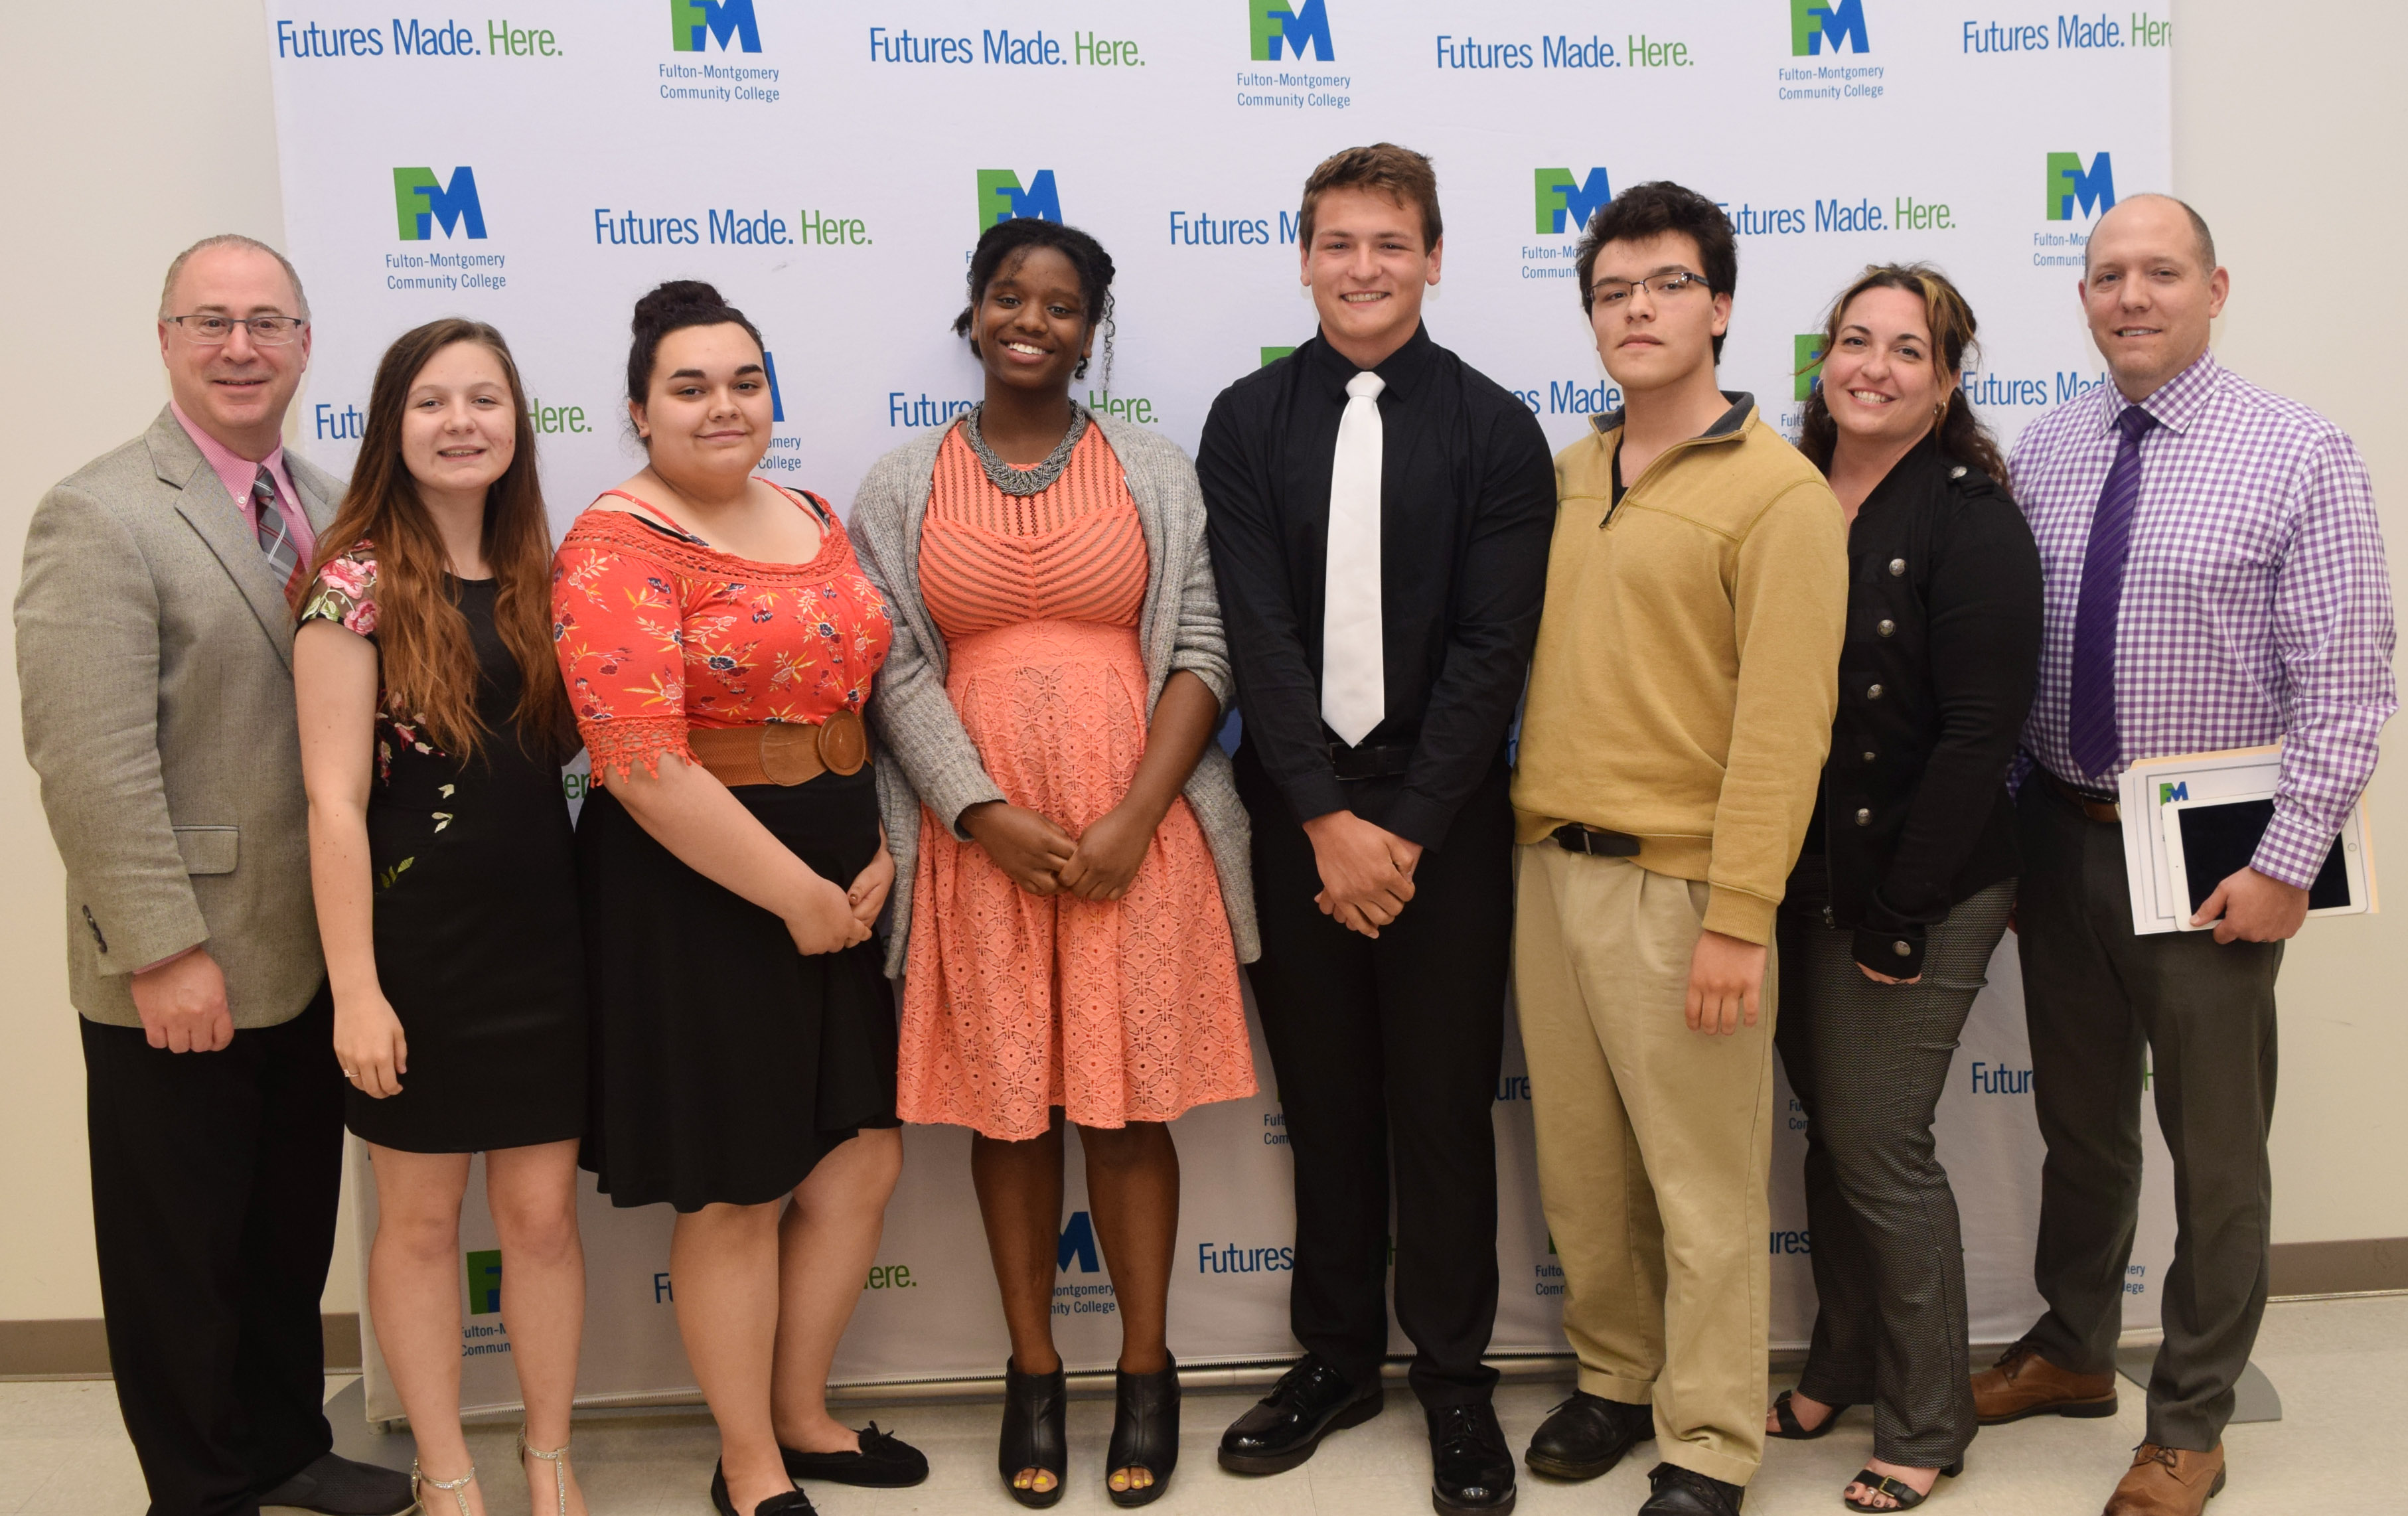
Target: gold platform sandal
{"x": 557, "y": 1458}
{"x": 417, "y": 1477}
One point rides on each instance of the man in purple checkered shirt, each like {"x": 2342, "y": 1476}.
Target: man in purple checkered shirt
{"x": 2215, "y": 579}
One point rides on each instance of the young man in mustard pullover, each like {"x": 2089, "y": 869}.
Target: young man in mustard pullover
{"x": 1680, "y": 705}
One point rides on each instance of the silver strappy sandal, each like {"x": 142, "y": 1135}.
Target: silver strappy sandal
{"x": 558, "y": 1459}
{"x": 418, "y": 1476}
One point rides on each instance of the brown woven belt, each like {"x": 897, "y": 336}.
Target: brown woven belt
{"x": 782, "y": 752}
{"x": 2105, "y": 812}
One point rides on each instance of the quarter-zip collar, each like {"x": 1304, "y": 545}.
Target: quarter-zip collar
{"x": 1726, "y": 428}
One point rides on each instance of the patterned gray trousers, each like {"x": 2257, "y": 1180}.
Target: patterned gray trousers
{"x": 1869, "y": 1062}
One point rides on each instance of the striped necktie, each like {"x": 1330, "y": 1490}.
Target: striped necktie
{"x": 2091, "y": 730}
{"x": 274, "y": 537}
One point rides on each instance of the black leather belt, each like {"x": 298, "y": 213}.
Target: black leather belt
{"x": 1371, "y": 761}
{"x": 1595, "y": 841}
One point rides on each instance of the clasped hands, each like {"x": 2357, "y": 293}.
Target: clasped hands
{"x": 834, "y": 918}
{"x": 1367, "y": 871}
{"x": 1099, "y": 864}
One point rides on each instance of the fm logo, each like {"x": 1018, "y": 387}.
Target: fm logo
{"x": 421, "y": 202}
{"x": 1565, "y": 206}
{"x": 2069, "y": 187}
{"x": 1271, "y": 22}
{"x": 485, "y": 1282}
{"x": 1079, "y": 1242}
{"x": 724, "y": 21}
{"x": 1001, "y": 199}
{"x": 1820, "y": 26}
{"x": 1806, "y": 363}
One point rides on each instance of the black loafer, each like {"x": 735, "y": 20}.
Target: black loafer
{"x": 1471, "y": 1468}
{"x": 340, "y": 1486}
{"x": 1587, "y": 1436}
{"x": 885, "y": 1462}
{"x": 792, "y": 1503}
{"x": 1311, "y": 1401}
{"x": 1681, "y": 1492}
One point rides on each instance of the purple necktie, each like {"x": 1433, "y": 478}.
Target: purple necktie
{"x": 2091, "y": 730}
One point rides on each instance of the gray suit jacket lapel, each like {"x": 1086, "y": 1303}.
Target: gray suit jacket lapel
{"x": 202, "y": 501}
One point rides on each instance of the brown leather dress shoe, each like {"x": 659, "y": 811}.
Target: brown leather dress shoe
{"x": 2023, "y": 1383}
{"x": 2167, "y": 1482}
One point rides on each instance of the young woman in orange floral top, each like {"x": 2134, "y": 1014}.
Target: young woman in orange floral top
{"x": 719, "y": 641}
{"x": 432, "y": 735}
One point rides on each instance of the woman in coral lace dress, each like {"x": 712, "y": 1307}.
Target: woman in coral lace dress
{"x": 1073, "y": 897}
{"x": 719, "y": 641}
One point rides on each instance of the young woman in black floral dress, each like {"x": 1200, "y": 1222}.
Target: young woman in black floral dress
{"x": 433, "y": 728}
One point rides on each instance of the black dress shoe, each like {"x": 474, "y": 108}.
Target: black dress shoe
{"x": 1311, "y": 1401}
{"x": 792, "y": 1503}
{"x": 340, "y": 1487}
{"x": 885, "y": 1462}
{"x": 1587, "y": 1436}
{"x": 1681, "y": 1492}
{"x": 1471, "y": 1468}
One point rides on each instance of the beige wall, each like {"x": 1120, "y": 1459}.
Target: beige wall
{"x": 2285, "y": 150}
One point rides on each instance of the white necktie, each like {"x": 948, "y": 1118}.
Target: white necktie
{"x": 1354, "y": 663}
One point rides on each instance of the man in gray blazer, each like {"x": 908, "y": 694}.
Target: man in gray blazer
{"x": 154, "y": 650}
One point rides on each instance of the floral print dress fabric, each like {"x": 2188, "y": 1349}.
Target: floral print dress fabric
{"x": 658, "y": 632}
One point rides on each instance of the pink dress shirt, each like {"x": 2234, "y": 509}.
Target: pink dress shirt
{"x": 238, "y": 473}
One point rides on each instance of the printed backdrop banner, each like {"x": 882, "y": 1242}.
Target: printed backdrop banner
{"x": 830, "y": 167}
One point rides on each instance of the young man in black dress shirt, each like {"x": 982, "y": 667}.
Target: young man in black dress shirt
{"x": 1379, "y": 516}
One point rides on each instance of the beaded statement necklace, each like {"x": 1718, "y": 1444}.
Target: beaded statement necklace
{"x": 1024, "y": 481}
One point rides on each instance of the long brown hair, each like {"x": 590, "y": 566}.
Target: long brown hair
{"x": 1962, "y": 435}
{"x": 429, "y": 663}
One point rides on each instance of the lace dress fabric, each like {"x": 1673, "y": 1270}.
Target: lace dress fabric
{"x": 1116, "y": 1011}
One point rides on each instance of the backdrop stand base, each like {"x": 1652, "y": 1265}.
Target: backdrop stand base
{"x": 364, "y": 1441}
{"x": 2253, "y": 1398}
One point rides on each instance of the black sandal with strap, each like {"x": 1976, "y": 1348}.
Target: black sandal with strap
{"x": 1145, "y": 1432}
{"x": 1034, "y": 1408}
{"x": 1907, "y": 1496}
{"x": 1795, "y": 1430}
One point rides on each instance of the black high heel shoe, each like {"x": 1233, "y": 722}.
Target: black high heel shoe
{"x": 1034, "y": 1405}
{"x": 1797, "y": 1431}
{"x": 1145, "y": 1431}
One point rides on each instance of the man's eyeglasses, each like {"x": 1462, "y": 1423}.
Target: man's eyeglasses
{"x": 1611, "y": 292}
{"x": 213, "y": 331}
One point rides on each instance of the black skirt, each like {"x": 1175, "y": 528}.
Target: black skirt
{"x": 477, "y": 939}
{"x": 725, "y": 1064}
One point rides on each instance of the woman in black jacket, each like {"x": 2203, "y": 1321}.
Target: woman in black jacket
{"x": 1908, "y": 874}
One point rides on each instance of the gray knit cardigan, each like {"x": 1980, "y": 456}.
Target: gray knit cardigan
{"x": 926, "y": 754}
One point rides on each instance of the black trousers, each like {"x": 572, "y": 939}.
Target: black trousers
{"x": 2192, "y": 1021}
{"x": 214, "y": 1182}
{"x": 1386, "y": 1054}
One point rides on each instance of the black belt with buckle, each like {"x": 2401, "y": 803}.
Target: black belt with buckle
{"x": 1371, "y": 761}
{"x": 1595, "y": 842}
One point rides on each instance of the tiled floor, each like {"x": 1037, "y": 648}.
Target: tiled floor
{"x": 2337, "y": 1364}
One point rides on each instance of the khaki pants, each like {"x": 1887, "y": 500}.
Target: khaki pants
{"x": 1653, "y": 1142}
